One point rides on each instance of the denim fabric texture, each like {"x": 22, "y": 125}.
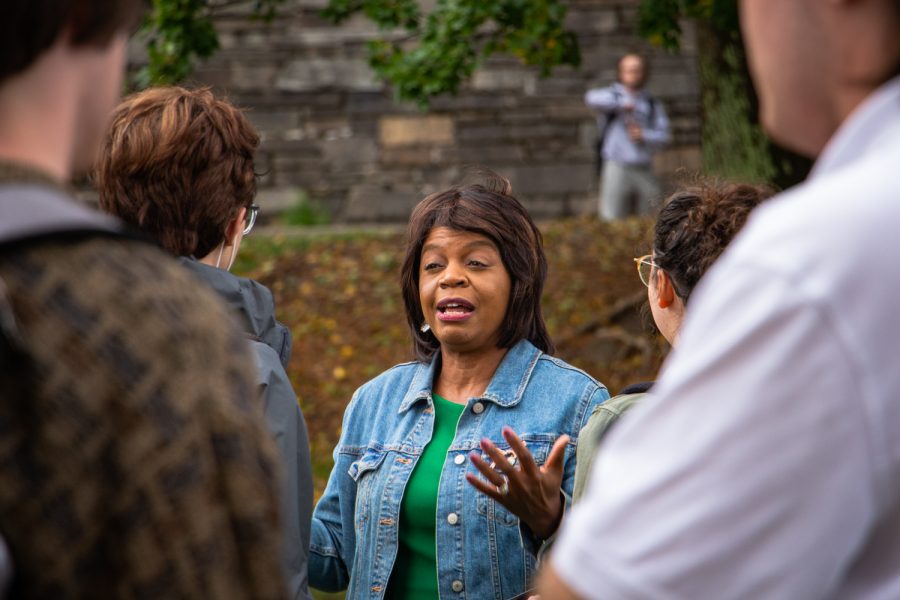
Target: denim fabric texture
{"x": 483, "y": 551}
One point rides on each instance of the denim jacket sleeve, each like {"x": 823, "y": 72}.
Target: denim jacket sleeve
{"x": 333, "y": 539}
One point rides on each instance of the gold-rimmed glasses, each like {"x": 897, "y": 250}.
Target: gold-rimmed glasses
{"x": 644, "y": 268}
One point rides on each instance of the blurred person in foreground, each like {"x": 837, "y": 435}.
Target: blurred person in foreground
{"x": 178, "y": 165}
{"x": 397, "y": 519}
{"x": 766, "y": 461}
{"x": 133, "y": 462}
{"x": 632, "y": 126}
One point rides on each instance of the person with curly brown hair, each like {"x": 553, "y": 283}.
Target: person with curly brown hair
{"x": 693, "y": 228}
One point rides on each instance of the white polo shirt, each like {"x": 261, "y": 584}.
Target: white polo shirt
{"x": 766, "y": 463}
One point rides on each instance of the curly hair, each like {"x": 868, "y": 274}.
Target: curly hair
{"x": 490, "y": 210}
{"x": 178, "y": 165}
{"x": 696, "y": 224}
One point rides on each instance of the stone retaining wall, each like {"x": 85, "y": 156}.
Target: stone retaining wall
{"x": 331, "y": 130}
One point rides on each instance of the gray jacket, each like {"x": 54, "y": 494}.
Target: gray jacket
{"x": 271, "y": 342}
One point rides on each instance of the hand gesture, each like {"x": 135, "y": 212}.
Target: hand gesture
{"x": 530, "y": 492}
{"x": 635, "y": 132}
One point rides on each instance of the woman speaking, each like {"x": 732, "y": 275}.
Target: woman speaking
{"x": 398, "y": 518}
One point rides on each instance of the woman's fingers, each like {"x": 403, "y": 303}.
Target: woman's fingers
{"x": 526, "y": 460}
{"x": 500, "y": 459}
{"x": 554, "y": 462}
{"x": 485, "y": 488}
{"x": 486, "y": 470}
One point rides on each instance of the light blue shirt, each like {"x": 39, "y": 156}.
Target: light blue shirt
{"x": 617, "y": 105}
{"x": 483, "y": 551}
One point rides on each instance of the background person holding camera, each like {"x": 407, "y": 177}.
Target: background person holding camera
{"x": 632, "y": 126}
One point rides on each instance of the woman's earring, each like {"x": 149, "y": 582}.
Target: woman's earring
{"x": 425, "y": 328}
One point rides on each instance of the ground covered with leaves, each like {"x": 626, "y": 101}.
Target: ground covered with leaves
{"x": 339, "y": 293}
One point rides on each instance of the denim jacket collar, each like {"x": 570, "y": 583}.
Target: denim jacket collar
{"x": 506, "y": 387}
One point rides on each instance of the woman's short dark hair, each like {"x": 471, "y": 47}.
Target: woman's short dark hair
{"x": 696, "y": 224}
{"x": 28, "y": 28}
{"x": 490, "y": 210}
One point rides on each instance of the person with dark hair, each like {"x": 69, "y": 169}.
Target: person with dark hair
{"x": 693, "y": 228}
{"x": 765, "y": 463}
{"x": 133, "y": 461}
{"x": 178, "y": 164}
{"x": 633, "y": 126}
{"x": 397, "y": 519}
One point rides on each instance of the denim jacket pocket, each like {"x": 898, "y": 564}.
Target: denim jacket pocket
{"x": 495, "y": 511}
{"x": 368, "y": 463}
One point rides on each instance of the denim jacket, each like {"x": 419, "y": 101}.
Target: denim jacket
{"x": 482, "y": 550}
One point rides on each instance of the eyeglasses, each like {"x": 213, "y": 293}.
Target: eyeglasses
{"x": 250, "y": 218}
{"x": 644, "y": 268}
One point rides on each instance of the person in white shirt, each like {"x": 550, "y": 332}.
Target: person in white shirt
{"x": 766, "y": 462}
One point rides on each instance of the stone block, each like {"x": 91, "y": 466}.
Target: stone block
{"x": 367, "y": 103}
{"x": 252, "y": 76}
{"x": 308, "y": 74}
{"x": 493, "y": 79}
{"x": 551, "y": 179}
{"x": 274, "y": 120}
{"x": 481, "y": 131}
{"x": 276, "y": 200}
{"x": 674, "y": 159}
{"x": 424, "y": 130}
{"x": 348, "y": 153}
{"x": 493, "y": 155}
{"x": 406, "y": 156}
{"x": 380, "y": 202}
{"x": 543, "y": 131}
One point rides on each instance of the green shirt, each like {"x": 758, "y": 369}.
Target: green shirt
{"x": 415, "y": 570}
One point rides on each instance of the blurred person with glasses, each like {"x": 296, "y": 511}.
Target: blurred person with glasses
{"x": 693, "y": 228}
{"x": 178, "y": 165}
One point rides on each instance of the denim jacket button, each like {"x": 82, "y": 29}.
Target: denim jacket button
{"x": 457, "y": 585}
{"x": 460, "y": 459}
{"x": 453, "y": 518}
{"x": 478, "y": 408}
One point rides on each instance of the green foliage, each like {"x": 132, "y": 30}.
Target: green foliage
{"x": 456, "y": 37}
{"x": 306, "y": 211}
{"x": 179, "y": 32}
{"x": 733, "y": 147}
{"x": 659, "y": 20}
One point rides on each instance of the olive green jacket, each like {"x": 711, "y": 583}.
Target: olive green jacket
{"x": 603, "y": 417}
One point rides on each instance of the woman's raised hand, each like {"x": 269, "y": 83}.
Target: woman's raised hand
{"x": 530, "y": 492}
